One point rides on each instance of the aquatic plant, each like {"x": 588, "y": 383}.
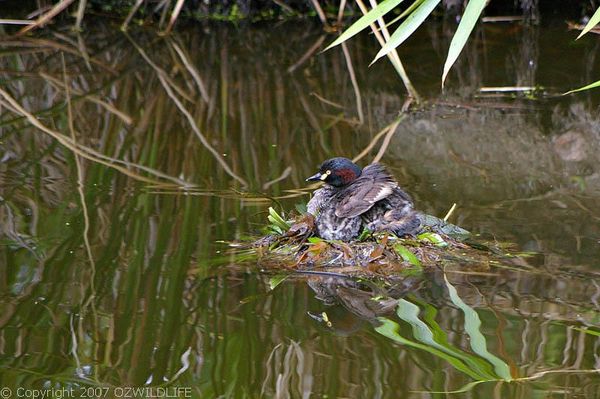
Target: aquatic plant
{"x": 413, "y": 17}
{"x": 293, "y": 244}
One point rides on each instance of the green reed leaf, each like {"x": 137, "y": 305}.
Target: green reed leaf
{"x": 590, "y": 86}
{"x": 591, "y": 23}
{"x": 412, "y": 22}
{"x": 467, "y": 23}
{"x": 366, "y": 20}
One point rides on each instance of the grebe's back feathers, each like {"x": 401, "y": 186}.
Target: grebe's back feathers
{"x": 373, "y": 185}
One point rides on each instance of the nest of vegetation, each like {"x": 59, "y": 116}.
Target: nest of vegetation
{"x": 294, "y": 245}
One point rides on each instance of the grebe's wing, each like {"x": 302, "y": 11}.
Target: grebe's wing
{"x": 373, "y": 185}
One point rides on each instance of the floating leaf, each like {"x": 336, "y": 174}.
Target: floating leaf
{"x": 276, "y": 280}
{"x": 366, "y": 20}
{"x": 467, "y": 23}
{"x": 412, "y": 22}
{"x": 433, "y": 238}
{"x": 407, "y": 255}
{"x": 591, "y": 23}
{"x": 365, "y": 233}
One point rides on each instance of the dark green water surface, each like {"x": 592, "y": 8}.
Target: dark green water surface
{"x": 113, "y": 276}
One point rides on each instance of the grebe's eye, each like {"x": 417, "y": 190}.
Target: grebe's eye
{"x": 325, "y": 175}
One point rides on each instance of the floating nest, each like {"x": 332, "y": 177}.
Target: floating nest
{"x": 294, "y": 245}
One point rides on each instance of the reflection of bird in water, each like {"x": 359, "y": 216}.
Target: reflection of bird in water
{"x": 354, "y": 198}
{"x": 359, "y": 298}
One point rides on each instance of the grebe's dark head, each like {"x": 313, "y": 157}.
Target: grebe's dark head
{"x": 337, "y": 172}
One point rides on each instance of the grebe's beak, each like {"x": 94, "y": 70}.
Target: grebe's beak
{"x": 316, "y": 177}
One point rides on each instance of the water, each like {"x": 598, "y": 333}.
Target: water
{"x": 118, "y": 278}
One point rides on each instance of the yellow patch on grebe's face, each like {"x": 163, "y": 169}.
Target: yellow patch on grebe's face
{"x": 325, "y": 175}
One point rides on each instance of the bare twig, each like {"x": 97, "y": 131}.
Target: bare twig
{"x": 132, "y": 12}
{"x": 109, "y": 107}
{"x": 174, "y": 16}
{"x": 47, "y": 17}
{"x": 341, "y": 11}
{"x": 371, "y": 144}
{"x": 359, "y": 109}
{"x": 284, "y": 6}
{"x": 450, "y": 212}
{"x": 386, "y": 140}
{"x": 320, "y": 11}
{"x": 4, "y": 21}
{"x": 326, "y": 101}
{"x": 80, "y": 12}
{"x": 284, "y": 175}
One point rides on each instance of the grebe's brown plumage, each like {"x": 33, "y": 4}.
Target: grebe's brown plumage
{"x": 353, "y": 199}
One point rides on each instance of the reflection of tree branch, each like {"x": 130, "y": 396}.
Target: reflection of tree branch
{"x": 308, "y": 54}
{"x": 168, "y": 86}
{"x": 80, "y": 190}
{"x": 45, "y": 45}
{"x": 192, "y": 70}
{"x": 107, "y": 106}
{"x": 87, "y": 152}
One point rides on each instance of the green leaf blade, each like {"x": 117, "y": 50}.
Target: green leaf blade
{"x": 407, "y": 255}
{"x": 277, "y": 220}
{"x": 412, "y": 22}
{"x": 433, "y": 238}
{"x": 366, "y": 20}
{"x": 467, "y": 23}
{"x": 391, "y": 330}
{"x": 590, "y": 86}
{"x": 477, "y": 339}
{"x": 591, "y": 23}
